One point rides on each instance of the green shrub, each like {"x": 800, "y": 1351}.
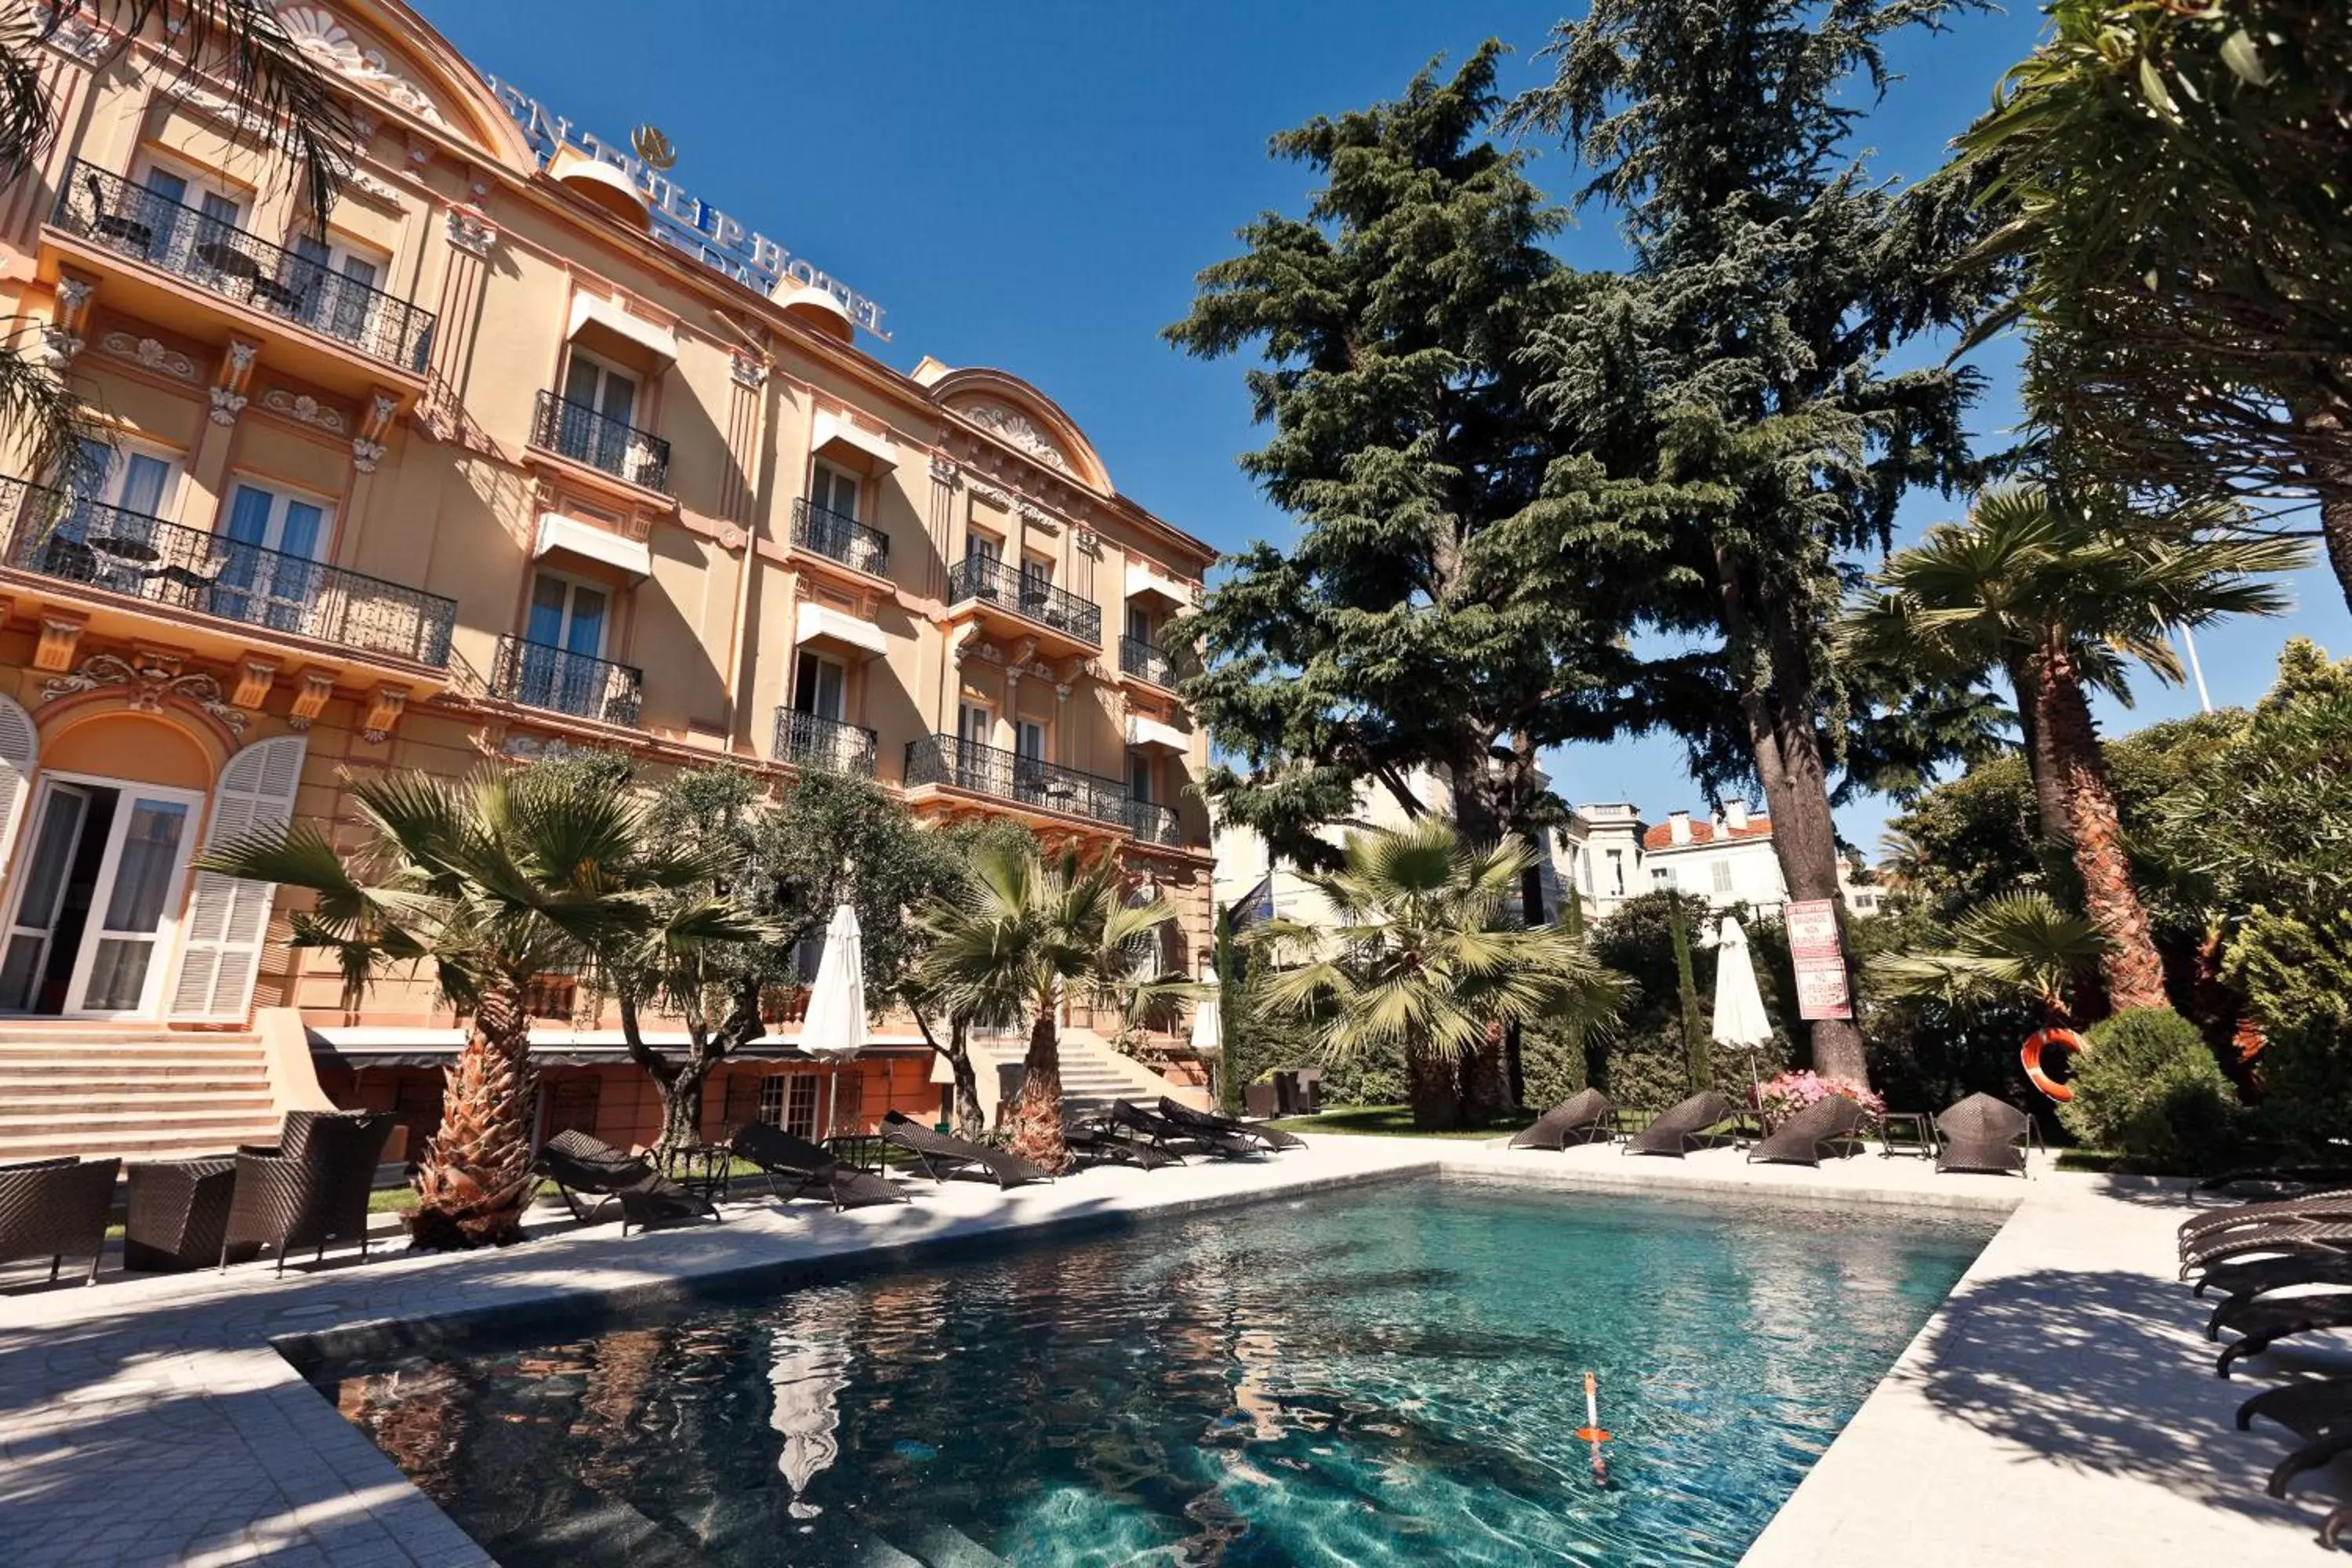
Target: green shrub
{"x": 2148, "y": 1087}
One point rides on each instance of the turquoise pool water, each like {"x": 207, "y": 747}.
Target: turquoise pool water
{"x": 1383, "y": 1376}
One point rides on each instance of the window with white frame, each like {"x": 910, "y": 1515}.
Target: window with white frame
{"x": 834, "y": 490}
{"x": 1723, "y": 875}
{"x": 271, "y": 576}
{"x": 335, "y": 284}
{"x": 787, "y": 1100}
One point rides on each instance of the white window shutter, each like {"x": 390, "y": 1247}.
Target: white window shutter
{"x": 227, "y": 919}
{"x": 19, "y": 746}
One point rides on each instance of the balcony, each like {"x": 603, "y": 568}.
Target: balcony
{"x": 1025, "y": 603}
{"x": 842, "y": 539}
{"x": 811, "y": 740}
{"x": 538, "y": 676}
{"x": 128, "y": 220}
{"x": 576, "y": 431}
{"x": 1024, "y": 781}
{"x": 185, "y": 569}
{"x": 1152, "y": 823}
{"x": 1146, "y": 661}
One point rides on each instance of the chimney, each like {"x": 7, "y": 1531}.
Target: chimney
{"x": 1678, "y": 827}
{"x": 1735, "y": 816}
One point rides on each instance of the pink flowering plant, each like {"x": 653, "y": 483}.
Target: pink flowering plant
{"x": 1782, "y": 1096}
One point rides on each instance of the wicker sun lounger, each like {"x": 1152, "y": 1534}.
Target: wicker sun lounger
{"x": 2274, "y": 1211}
{"x": 315, "y": 1193}
{"x": 2324, "y": 1238}
{"x": 578, "y": 1163}
{"x": 1583, "y": 1118}
{"x": 1097, "y": 1143}
{"x": 55, "y": 1209}
{"x": 1801, "y": 1140}
{"x": 2263, "y": 1323}
{"x": 1984, "y": 1135}
{"x": 796, "y": 1168}
{"x": 1272, "y": 1138}
{"x": 1162, "y": 1133}
{"x": 1681, "y": 1128}
{"x": 2319, "y": 1411}
{"x": 2244, "y": 1281}
{"x": 942, "y": 1156}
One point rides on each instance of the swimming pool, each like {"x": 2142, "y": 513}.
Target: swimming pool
{"x": 1389, "y": 1374}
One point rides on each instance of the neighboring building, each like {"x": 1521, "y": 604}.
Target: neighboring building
{"x": 494, "y": 467}
{"x": 1609, "y": 855}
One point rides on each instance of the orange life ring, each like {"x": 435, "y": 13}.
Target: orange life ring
{"x": 2032, "y": 1056}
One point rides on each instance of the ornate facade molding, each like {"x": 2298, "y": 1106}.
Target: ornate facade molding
{"x": 470, "y": 232}
{"x": 305, "y": 409}
{"x": 152, "y": 683}
{"x": 316, "y": 31}
{"x": 366, "y": 454}
{"x": 747, "y": 371}
{"x": 226, "y": 406}
{"x": 1011, "y": 426}
{"x": 149, "y": 354}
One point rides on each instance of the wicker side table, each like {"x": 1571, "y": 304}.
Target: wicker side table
{"x": 178, "y": 1213}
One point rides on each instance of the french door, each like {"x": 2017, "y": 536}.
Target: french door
{"x": 270, "y": 575}
{"x": 336, "y": 289}
{"x": 96, "y": 909}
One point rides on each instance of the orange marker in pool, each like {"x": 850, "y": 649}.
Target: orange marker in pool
{"x": 1590, "y": 1431}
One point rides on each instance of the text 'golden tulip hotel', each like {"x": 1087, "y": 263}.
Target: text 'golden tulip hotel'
{"x": 496, "y": 465}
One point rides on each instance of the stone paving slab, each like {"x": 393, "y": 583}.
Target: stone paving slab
{"x": 2060, "y": 1407}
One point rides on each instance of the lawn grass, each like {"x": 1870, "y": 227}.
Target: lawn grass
{"x": 1391, "y": 1121}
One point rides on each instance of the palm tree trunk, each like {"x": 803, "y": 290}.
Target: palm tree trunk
{"x": 1433, "y": 1086}
{"x": 1036, "y": 1118}
{"x": 474, "y": 1178}
{"x": 2132, "y": 970}
{"x": 2049, "y": 798}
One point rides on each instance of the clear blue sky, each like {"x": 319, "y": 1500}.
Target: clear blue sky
{"x": 1034, "y": 186}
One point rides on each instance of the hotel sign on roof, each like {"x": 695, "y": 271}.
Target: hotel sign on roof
{"x": 679, "y": 220}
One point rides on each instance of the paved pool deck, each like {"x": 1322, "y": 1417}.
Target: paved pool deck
{"x": 2060, "y": 1407}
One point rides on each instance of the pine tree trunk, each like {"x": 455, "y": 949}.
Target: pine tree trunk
{"x": 1432, "y": 1085}
{"x": 1484, "y": 1075}
{"x": 1036, "y": 1120}
{"x": 969, "y": 1122}
{"x": 2132, "y": 970}
{"x": 474, "y": 1178}
{"x": 681, "y": 1099}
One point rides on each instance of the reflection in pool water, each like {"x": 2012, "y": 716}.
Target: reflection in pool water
{"x": 1390, "y": 1375}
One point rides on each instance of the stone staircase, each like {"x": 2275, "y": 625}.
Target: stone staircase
{"x": 139, "y": 1093}
{"x": 1093, "y": 1073}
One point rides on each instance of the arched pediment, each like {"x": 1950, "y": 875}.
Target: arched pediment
{"x": 387, "y": 51}
{"x": 1018, "y": 415}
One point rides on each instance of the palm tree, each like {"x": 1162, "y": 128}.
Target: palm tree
{"x": 489, "y": 881}
{"x": 1026, "y": 934}
{"x": 238, "y": 48}
{"x": 1421, "y": 959}
{"x": 2020, "y": 946}
{"x": 2059, "y": 600}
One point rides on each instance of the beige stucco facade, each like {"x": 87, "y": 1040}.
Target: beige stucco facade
{"x": 490, "y": 468}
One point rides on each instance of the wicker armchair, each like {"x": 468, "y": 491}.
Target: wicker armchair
{"x": 1986, "y": 1135}
{"x": 53, "y": 1208}
{"x": 309, "y": 1199}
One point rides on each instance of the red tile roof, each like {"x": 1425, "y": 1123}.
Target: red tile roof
{"x": 1663, "y": 836}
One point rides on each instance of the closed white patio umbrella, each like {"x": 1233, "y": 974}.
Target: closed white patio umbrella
{"x": 1739, "y": 1019}
{"x": 1209, "y": 1026}
{"x": 834, "y": 1028}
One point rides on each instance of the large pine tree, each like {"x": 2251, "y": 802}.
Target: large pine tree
{"x": 1742, "y": 443}
{"x": 1418, "y": 618}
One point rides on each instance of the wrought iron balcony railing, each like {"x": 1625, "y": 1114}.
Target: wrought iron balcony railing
{"x": 1147, "y": 661}
{"x": 1007, "y": 775}
{"x": 578, "y": 432}
{"x": 842, "y": 539}
{"x": 813, "y": 740}
{"x": 1151, "y": 822}
{"x": 220, "y": 257}
{"x": 64, "y": 536}
{"x": 539, "y": 675}
{"x": 1027, "y": 594}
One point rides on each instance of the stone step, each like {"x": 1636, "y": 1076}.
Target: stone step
{"x": 13, "y": 1031}
{"x": 210, "y": 1143}
{"x": 75, "y": 1095}
{"x": 163, "y": 1069}
{"x": 18, "y": 1121}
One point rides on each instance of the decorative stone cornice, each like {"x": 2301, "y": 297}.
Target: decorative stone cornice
{"x": 470, "y": 232}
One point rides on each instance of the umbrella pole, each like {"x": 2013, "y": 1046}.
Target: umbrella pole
{"x": 831, "y": 1102}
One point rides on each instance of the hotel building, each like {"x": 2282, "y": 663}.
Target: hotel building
{"x": 528, "y": 450}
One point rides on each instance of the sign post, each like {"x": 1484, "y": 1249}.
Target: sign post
{"x": 1819, "y": 959}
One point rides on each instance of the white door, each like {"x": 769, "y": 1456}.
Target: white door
{"x": 822, "y": 686}
{"x": 832, "y": 491}
{"x": 42, "y": 882}
{"x": 599, "y": 415}
{"x": 227, "y": 919}
{"x": 334, "y": 288}
{"x": 135, "y": 908}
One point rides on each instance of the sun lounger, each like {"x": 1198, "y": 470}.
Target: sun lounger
{"x": 2319, "y": 1411}
{"x": 1582, "y": 1118}
{"x": 942, "y": 1156}
{"x": 1162, "y": 1133}
{"x": 2244, "y": 1281}
{"x": 1800, "y": 1140}
{"x": 2263, "y": 1323}
{"x": 796, "y": 1168}
{"x": 1273, "y": 1138}
{"x": 578, "y": 1163}
{"x": 1097, "y": 1143}
{"x": 2317, "y": 1206}
{"x": 2327, "y": 1238}
{"x": 2309, "y": 1178}
{"x": 1984, "y": 1135}
{"x": 1681, "y": 1128}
